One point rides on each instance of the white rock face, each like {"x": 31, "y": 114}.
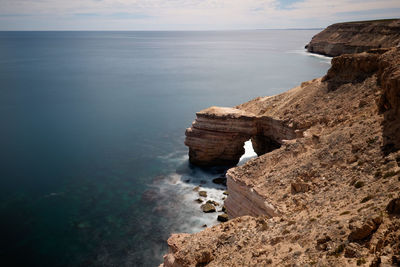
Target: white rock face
{"x": 244, "y": 200}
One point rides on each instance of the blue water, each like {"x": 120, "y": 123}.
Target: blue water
{"x": 93, "y": 169}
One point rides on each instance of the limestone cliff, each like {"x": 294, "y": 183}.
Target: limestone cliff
{"x": 330, "y": 196}
{"x": 356, "y": 37}
{"x": 218, "y": 134}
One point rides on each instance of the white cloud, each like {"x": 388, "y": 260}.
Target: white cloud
{"x": 188, "y": 14}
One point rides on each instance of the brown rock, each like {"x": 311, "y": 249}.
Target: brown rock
{"x": 394, "y": 206}
{"x": 223, "y": 217}
{"x": 203, "y": 193}
{"x": 361, "y": 231}
{"x": 207, "y": 208}
{"x": 299, "y": 188}
{"x": 218, "y": 134}
{"x": 213, "y": 202}
{"x": 352, "y": 251}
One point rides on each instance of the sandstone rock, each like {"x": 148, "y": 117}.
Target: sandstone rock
{"x": 363, "y": 230}
{"x": 299, "y": 187}
{"x": 223, "y": 217}
{"x": 207, "y": 208}
{"x": 322, "y": 243}
{"x": 355, "y": 37}
{"x": 218, "y": 134}
{"x": 243, "y": 200}
{"x": 203, "y": 193}
{"x": 352, "y": 251}
{"x": 223, "y": 208}
{"x": 394, "y": 206}
{"x": 213, "y": 202}
{"x": 351, "y": 68}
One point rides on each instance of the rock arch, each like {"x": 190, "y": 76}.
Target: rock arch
{"x": 218, "y": 134}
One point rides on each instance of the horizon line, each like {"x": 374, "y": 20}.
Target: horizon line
{"x": 194, "y": 30}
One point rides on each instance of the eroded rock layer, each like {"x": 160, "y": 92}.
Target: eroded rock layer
{"x": 329, "y": 197}
{"x": 356, "y": 37}
{"x": 218, "y": 134}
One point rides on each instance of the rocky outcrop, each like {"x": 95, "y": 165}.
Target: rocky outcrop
{"x": 244, "y": 200}
{"x": 218, "y": 134}
{"x": 356, "y": 37}
{"x": 329, "y": 196}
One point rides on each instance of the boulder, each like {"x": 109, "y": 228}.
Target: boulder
{"x": 207, "y": 208}
{"x": 223, "y": 217}
{"x": 299, "y": 187}
{"x": 203, "y": 193}
{"x": 360, "y": 231}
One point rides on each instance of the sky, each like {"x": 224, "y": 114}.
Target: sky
{"x": 188, "y": 14}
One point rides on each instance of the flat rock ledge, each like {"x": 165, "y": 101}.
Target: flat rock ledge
{"x": 356, "y": 37}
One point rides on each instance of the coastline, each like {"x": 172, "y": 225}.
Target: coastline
{"x": 290, "y": 189}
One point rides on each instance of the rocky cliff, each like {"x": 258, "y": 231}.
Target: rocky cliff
{"x": 218, "y": 134}
{"x": 330, "y": 196}
{"x": 356, "y": 37}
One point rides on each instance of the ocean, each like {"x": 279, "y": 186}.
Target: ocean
{"x": 93, "y": 169}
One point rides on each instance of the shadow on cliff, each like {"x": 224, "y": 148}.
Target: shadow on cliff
{"x": 391, "y": 129}
{"x": 355, "y": 68}
{"x": 389, "y": 102}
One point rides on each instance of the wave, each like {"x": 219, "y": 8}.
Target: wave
{"x": 304, "y": 52}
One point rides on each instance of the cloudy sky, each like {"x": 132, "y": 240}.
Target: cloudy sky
{"x": 187, "y": 14}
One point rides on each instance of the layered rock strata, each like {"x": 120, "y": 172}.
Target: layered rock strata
{"x": 218, "y": 134}
{"x": 356, "y": 37}
{"x": 326, "y": 197}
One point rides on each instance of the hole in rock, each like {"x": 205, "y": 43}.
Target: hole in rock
{"x": 249, "y": 153}
{"x": 264, "y": 144}
{"x": 257, "y": 146}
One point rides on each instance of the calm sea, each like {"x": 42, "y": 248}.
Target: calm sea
{"x": 93, "y": 169}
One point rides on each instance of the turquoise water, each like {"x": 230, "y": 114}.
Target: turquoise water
{"x": 93, "y": 169}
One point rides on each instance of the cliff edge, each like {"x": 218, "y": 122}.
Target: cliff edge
{"x": 328, "y": 196}
{"x": 356, "y": 37}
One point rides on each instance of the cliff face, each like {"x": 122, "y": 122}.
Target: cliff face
{"x": 329, "y": 196}
{"x": 356, "y": 37}
{"x": 218, "y": 134}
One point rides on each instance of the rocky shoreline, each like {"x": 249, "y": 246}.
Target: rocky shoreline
{"x": 325, "y": 187}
